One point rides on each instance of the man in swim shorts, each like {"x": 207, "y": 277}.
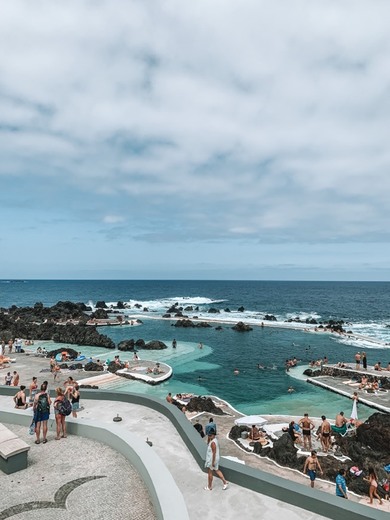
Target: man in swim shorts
{"x": 325, "y": 434}
{"x": 307, "y": 426}
{"x": 311, "y": 465}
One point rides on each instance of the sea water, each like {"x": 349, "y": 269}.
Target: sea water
{"x": 363, "y": 306}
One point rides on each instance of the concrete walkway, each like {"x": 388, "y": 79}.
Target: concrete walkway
{"x": 146, "y": 423}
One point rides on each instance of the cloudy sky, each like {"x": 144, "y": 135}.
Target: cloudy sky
{"x": 208, "y": 139}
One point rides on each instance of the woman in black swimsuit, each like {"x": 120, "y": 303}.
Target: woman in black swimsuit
{"x": 20, "y": 398}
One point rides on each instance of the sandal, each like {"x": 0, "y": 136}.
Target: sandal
{"x": 57, "y": 438}
{"x": 37, "y": 442}
{"x": 44, "y": 441}
{"x": 64, "y": 436}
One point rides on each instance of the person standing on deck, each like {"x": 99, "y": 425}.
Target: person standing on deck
{"x": 311, "y": 465}
{"x": 212, "y": 462}
{"x": 364, "y": 360}
{"x": 306, "y": 426}
{"x": 357, "y": 360}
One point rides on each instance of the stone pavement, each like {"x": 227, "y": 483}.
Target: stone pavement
{"x": 116, "y": 491}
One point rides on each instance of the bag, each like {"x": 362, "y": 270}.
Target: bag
{"x": 43, "y": 405}
{"x": 31, "y": 429}
{"x": 64, "y": 406}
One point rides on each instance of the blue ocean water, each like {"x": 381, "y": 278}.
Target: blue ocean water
{"x": 363, "y": 305}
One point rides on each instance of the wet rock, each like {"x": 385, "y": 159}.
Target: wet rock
{"x": 101, "y": 305}
{"x": 126, "y": 345}
{"x": 203, "y": 404}
{"x": 140, "y": 343}
{"x": 270, "y": 317}
{"x": 155, "y": 345}
{"x": 242, "y": 327}
{"x": 213, "y": 310}
{"x": 93, "y": 367}
{"x": 241, "y": 309}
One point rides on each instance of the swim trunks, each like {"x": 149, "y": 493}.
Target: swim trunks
{"x": 325, "y": 434}
{"x": 306, "y": 433}
{"x": 312, "y": 474}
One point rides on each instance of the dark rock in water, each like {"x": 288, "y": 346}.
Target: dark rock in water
{"x": 113, "y": 367}
{"x": 270, "y": 317}
{"x": 179, "y": 314}
{"x": 242, "y": 327}
{"x": 93, "y": 367}
{"x": 227, "y": 309}
{"x": 155, "y": 345}
{"x": 218, "y": 328}
{"x": 312, "y": 373}
{"x": 212, "y": 310}
{"x": 120, "y": 305}
{"x": 140, "y": 343}
{"x": 71, "y": 352}
{"x": 190, "y": 324}
{"x": 189, "y": 308}
{"x": 166, "y": 316}
{"x": 203, "y": 404}
{"x": 145, "y": 309}
{"x": 126, "y": 345}
{"x": 241, "y": 309}
{"x": 138, "y": 306}
{"x": 101, "y": 305}
{"x": 100, "y": 314}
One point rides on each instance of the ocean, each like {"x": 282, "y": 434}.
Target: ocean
{"x": 363, "y": 306}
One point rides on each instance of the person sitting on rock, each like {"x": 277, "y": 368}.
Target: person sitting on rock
{"x": 363, "y": 382}
{"x": 254, "y": 433}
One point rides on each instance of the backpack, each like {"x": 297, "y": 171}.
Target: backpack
{"x": 43, "y": 405}
{"x": 64, "y": 406}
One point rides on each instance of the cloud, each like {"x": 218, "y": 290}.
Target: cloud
{"x": 201, "y": 121}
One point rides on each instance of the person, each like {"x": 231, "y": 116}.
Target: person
{"x": 60, "y": 419}
{"x": 52, "y": 363}
{"x": 169, "y": 398}
{"x": 8, "y": 379}
{"x": 307, "y": 426}
{"x": 363, "y": 382}
{"x": 16, "y": 378}
{"x": 56, "y": 371}
{"x": 325, "y": 433}
{"x": 33, "y": 388}
{"x": 135, "y": 357}
{"x": 75, "y": 400}
{"x": 341, "y": 485}
{"x": 340, "y": 420}
{"x": 236, "y": 371}
{"x": 373, "y": 491}
{"x": 294, "y": 434}
{"x": 364, "y": 360}
{"x": 254, "y": 433}
{"x": 212, "y": 461}
{"x": 69, "y": 382}
{"x": 378, "y": 366}
{"x": 199, "y": 428}
{"x": 41, "y": 408}
{"x": 357, "y": 360}
{"x": 200, "y": 345}
{"x": 311, "y": 465}
{"x": 20, "y": 398}
{"x": 290, "y": 389}
{"x": 174, "y": 343}
{"x": 211, "y": 426}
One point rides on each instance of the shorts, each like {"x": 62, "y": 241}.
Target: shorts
{"x": 40, "y": 417}
{"x": 306, "y": 433}
{"x": 75, "y": 407}
{"x": 312, "y": 474}
{"x": 215, "y": 467}
{"x": 325, "y": 434}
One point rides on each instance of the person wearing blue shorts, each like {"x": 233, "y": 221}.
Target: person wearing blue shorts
{"x": 311, "y": 465}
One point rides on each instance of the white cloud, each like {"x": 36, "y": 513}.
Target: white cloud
{"x": 270, "y": 119}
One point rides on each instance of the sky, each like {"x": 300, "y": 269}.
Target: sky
{"x": 195, "y": 140}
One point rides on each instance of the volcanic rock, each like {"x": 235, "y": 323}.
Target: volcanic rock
{"x": 242, "y": 327}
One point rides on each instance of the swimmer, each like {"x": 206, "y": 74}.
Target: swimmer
{"x": 290, "y": 390}
{"x": 236, "y": 371}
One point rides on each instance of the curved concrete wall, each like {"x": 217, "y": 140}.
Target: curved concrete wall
{"x": 166, "y": 497}
{"x": 281, "y": 489}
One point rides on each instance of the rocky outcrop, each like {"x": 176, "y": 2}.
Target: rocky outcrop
{"x": 64, "y": 322}
{"x": 93, "y": 367}
{"x": 242, "y": 327}
{"x": 71, "y": 352}
{"x": 270, "y": 317}
{"x": 368, "y": 448}
{"x": 203, "y": 404}
{"x": 191, "y": 324}
{"x": 309, "y": 372}
{"x": 213, "y": 310}
{"x": 155, "y": 345}
{"x": 126, "y": 345}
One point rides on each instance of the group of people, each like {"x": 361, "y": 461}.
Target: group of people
{"x": 66, "y": 402}
{"x": 11, "y": 379}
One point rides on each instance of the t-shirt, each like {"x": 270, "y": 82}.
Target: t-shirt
{"x": 210, "y": 426}
{"x": 340, "y": 481}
